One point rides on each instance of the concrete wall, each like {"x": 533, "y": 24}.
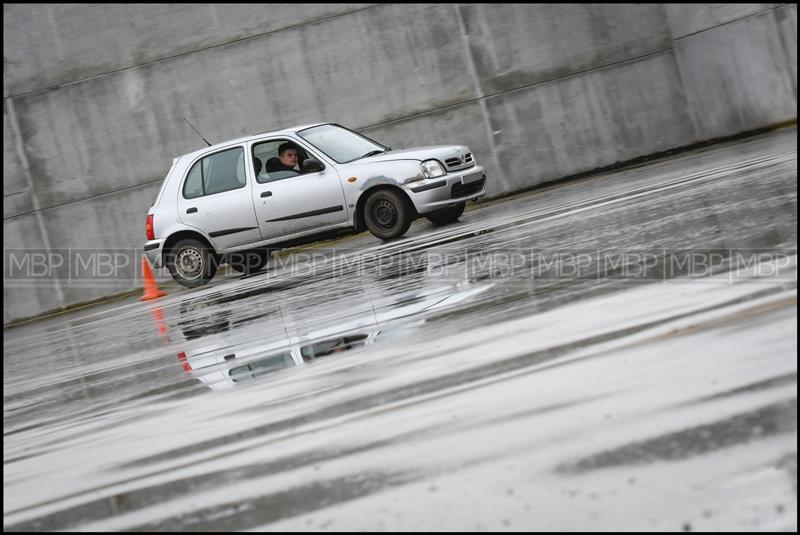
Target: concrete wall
{"x": 95, "y": 95}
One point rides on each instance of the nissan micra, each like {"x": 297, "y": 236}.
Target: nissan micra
{"x": 237, "y": 201}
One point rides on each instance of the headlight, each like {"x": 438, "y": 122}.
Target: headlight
{"x": 432, "y": 169}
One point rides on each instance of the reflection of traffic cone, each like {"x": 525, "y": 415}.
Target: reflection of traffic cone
{"x": 158, "y": 316}
{"x": 151, "y": 291}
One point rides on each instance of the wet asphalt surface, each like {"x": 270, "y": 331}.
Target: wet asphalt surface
{"x": 616, "y": 352}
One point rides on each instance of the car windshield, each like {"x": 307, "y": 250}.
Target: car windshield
{"x": 341, "y": 144}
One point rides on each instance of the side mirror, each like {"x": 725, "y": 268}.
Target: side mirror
{"x": 311, "y": 165}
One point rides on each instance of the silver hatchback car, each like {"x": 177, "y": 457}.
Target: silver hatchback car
{"x": 237, "y": 201}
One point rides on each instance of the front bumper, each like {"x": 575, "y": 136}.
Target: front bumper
{"x": 435, "y": 193}
{"x": 153, "y": 251}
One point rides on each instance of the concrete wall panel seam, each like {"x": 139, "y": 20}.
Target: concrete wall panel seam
{"x": 685, "y": 90}
{"x": 487, "y": 123}
{"x": 729, "y": 22}
{"x": 417, "y": 114}
{"x": 19, "y": 215}
{"x": 579, "y": 73}
{"x": 105, "y": 194}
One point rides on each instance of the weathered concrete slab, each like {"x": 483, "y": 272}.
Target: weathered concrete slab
{"x": 50, "y": 44}
{"x": 520, "y": 44}
{"x": 590, "y": 120}
{"x": 100, "y": 136}
{"x": 17, "y": 197}
{"x": 736, "y": 77}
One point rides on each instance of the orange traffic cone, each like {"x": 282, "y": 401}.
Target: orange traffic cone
{"x": 151, "y": 291}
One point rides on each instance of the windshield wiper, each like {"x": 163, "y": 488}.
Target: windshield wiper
{"x": 371, "y": 153}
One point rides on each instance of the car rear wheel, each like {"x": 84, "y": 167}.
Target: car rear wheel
{"x": 249, "y": 261}
{"x": 191, "y": 263}
{"x": 446, "y": 215}
{"x": 387, "y": 214}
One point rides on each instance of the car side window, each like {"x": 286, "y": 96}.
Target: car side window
{"x": 218, "y": 172}
{"x": 272, "y": 168}
{"x": 260, "y": 367}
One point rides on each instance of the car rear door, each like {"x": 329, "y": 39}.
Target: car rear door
{"x": 216, "y": 198}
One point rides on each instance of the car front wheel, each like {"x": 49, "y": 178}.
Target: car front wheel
{"x": 191, "y": 263}
{"x": 446, "y": 215}
{"x": 387, "y": 214}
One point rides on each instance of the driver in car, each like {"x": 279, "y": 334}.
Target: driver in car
{"x": 288, "y": 155}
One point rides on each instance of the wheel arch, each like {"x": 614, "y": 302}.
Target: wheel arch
{"x": 358, "y": 218}
{"x": 182, "y": 234}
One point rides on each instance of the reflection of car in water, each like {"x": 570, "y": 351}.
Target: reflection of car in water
{"x": 225, "y": 347}
{"x": 333, "y": 345}
{"x": 220, "y": 368}
{"x": 307, "y": 353}
{"x": 260, "y": 367}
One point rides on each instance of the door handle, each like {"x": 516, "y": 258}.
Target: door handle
{"x": 266, "y": 194}
{"x": 191, "y": 210}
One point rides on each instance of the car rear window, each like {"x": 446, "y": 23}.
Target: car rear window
{"x": 218, "y": 172}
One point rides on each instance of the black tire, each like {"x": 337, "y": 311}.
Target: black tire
{"x": 250, "y": 261}
{"x": 191, "y": 263}
{"x": 387, "y": 214}
{"x": 446, "y": 215}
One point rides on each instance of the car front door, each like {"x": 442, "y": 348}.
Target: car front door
{"x": 215, "y": 198}
{"x": 288, "y": 203}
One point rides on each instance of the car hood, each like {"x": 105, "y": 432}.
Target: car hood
{"x": 440, "y": 152}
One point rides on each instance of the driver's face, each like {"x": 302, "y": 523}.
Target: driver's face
{"x": 289, "y": 157}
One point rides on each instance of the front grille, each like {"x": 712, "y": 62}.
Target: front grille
{"x": 465, "y": 190}
{"x": 456, "y": 163}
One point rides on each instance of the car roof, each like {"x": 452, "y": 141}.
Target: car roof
{"x": 290, "y": 130}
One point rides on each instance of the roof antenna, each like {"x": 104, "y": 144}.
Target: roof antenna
{"x": 198, "y": 133}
